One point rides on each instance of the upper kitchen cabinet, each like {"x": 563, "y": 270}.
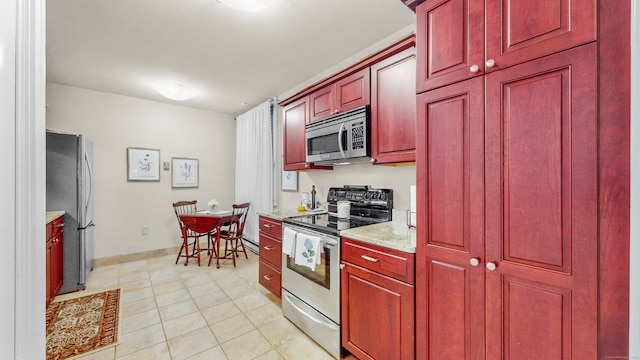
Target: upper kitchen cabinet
{"x": 343, "y": 95}
{"x": 393, "y": 109}
{"x": 452, "y": 46}
{"x": 295, "y": 117}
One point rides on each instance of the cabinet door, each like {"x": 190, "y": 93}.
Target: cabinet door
{"x": 393, "y": 109}
{"x": 321, "y": 103}
{"x": 522, "y": 30}
{"x": 353, "y": 91}
{"x": 450, "y": 42}
{"x": 56, "y": 264}
{"x": 48, "y": 273}
{"x": 541, "y": 208}
{"x": 295, "y": 118}
{"x": 377, "y": 315}
{"x": 450, "y": 233}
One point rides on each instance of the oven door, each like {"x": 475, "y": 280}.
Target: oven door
{"x": 320, "y": 288}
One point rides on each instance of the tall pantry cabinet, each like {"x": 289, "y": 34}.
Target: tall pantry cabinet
{"x": 509, "y": 181}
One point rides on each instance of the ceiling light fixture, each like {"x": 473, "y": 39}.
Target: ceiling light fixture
{"x": 174, "y": 91}
{"x": 247, "y": 5}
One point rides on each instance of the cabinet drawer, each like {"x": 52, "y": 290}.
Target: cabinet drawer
{"x": 270, "y": 277}
{"x": 396, "y": 264}
{"x": 270, "y": 249}
{"x": 54, "y": 227}
{"x": 271, "y": 227}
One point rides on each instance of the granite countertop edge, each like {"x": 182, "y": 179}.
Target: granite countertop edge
{"x": 52, "y": 215}
{"x": 393, "y": 234}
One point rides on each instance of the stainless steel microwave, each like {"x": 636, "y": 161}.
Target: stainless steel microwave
{"x": 339, "y": 139}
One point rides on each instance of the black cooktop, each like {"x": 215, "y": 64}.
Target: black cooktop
{"x": 327, "y": 223}
{"x": 368, "y": 206}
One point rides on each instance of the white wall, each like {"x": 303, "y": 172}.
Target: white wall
{"x": 115, "y": 122}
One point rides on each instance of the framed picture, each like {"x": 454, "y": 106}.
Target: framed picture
{"x": 143, "y": 164}
{"x": 184, "y": 172}
{"x": 289, "y": 180}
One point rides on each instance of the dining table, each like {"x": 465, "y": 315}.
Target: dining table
{"x": 204, "y": 222}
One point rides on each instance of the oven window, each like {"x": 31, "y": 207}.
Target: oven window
{"x": 322, "y": 275}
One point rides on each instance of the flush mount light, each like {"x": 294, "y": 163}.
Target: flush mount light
{"x": 174, "y": 91}
{"x": 247, "y": 5}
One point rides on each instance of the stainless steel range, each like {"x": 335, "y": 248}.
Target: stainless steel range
{"x": 311, "y": 294}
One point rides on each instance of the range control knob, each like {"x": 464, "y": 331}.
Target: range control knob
{"x": 367, "y": 196}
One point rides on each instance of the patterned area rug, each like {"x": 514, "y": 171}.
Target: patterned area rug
{"x": 82, "y": 325}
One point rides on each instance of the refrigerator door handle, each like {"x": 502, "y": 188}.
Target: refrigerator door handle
{"x": 86, "y": 205}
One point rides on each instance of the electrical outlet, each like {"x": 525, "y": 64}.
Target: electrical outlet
{"x": 145, "y": 230}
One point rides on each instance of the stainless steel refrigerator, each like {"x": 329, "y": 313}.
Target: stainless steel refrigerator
{"x": 70, "y": 188}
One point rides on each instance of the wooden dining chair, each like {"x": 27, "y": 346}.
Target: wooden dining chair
{"x": 232, "y": 234}
{"x": 193, "y": 238}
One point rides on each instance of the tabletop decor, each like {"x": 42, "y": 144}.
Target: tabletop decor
{"x": 82, "y": 325}
{"x": 143, "y": 164}
{"x": 212, "y": 204}
{"x": 184, "y": 172}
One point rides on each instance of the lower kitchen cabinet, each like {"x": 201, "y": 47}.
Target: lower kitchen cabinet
{"x": 377, "y": 301}
{"x": 269, "y": 271}
{"x": 54, "y": 258}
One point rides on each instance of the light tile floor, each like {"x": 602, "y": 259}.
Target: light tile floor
{"x": 170, "y": 311}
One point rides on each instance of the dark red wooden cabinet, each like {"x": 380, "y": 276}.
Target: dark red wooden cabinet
{"x": 508, "y": 236}
{"x": 345, "y": 94}
{"x": 269, "y": 270}
{"x": 54, "y": 258}
{"x": 377, "y": 301}
{"x": 452, "y": 45}
{"x": 393, "y": 115}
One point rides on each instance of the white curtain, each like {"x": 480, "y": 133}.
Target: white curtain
{"x": 255, "y": 164}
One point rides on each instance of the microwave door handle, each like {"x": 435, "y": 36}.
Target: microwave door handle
{"x": 340, "y": 145}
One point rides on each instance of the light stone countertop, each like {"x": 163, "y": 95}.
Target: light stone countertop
{"x": 52, "y": 215}
{"x": 393, "y": 234}
{"x": 287, "y": 213}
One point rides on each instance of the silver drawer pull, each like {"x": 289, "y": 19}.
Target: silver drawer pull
{"x": 266, "y": 225}
{"x": 268, "y": 277}
{"x": 369, "y": 258}
{"x": 268, "y": 247}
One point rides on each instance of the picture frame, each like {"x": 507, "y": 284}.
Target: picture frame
{"x": 184, "y": 172}
{"x": 289, "y": 180}
{"x": 143, "y": 164}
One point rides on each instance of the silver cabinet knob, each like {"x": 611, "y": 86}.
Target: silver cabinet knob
{"x": 474, "y": 69}
{"x": 491, "y": 266}
{"x": 490, "y": 63}
{"x": 474, "y": 261}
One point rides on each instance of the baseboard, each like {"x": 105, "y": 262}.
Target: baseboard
{"x": 120, "y": 259}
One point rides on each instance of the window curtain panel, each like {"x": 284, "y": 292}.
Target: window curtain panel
{"x": 255, "y": 164}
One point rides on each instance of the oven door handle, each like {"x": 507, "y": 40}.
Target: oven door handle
{"x": 330, "y": 241}
{"x": 294, "y": 302}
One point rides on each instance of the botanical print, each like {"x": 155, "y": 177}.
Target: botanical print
{"x": 143, "y": 164}
{"x": 184, "y": 172}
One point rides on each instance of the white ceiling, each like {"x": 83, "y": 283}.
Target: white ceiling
{"x": 227, "y": 56}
